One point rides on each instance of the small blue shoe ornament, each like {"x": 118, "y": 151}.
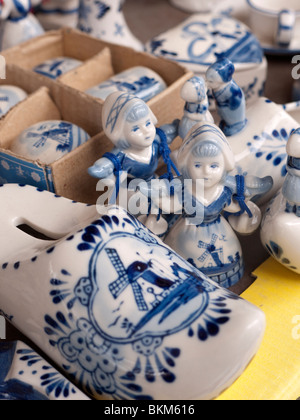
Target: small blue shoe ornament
{"x": 257, "y": 133}
{"x": 139, "y": 81}
{"x": 213, "y": 204}
{"x": 18, "y": 24}
{"x": 116, "y": 309}
{"x": 49, "y": 141}
{"x": 26, "y": 376}
{"x": 281, "y": 223}
{"x": 131, "y": 126}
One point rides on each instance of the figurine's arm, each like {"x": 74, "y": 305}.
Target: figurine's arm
{"x": 253, "y": 186}
{"x": 171, "y": 130}
{"x": 101, "y": 169}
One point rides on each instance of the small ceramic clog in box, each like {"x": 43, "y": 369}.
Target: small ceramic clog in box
{"x": 56, "y": 67}
{"x": 200, "y": 40}
{"x": 139, "y": 81}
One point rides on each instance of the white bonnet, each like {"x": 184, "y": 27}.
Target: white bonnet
{"x": 208, "y": 133}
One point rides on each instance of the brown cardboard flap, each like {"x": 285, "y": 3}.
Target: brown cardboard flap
{"x": 70, "y": 175}
{"x": 37, "y": 107}
{"x": 92, "y": 72}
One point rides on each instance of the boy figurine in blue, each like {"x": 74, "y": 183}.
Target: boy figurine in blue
{"x": 230, "y": 98}
{"x": 291, "y": 187}
{"x": 194, "y": 93}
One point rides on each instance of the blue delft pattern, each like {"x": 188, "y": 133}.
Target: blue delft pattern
{"x": 119, "y": 344}
{"x": 271, "y": 147}
{"x": 226, "y": 38}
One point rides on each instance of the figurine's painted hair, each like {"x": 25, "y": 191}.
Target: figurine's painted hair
{"x": 138, "y": 111}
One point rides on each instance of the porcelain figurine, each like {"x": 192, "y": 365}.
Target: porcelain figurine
{"x": 49, "y": 141}
{"x": 139, "y": 81}
{"x": 26, "y": 376}
{"x": 281, "y": 223}
{"x": 194, "y": 93}
{"x": 130, "y": 125}
{"x": 56, "y": 67}
{"x": 229, "y": 97}
{"x": 116, "y": 309}
{"x": 18, "y": 24}
{"x": 260, "y": 146}
{"x": 203, "y": 236}
{"x": 276, "y": 24}
{"x": 55, "y": 14}
{"x": 105, "y": 20}
{"x": 9, "y": 97}
{"x": 200, "y": 40}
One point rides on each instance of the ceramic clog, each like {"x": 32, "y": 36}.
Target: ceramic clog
{"x": 25, "y": 375}
{"x": 119, "y": 311}
{"x": 105, "y": 20}
{"x": 55, "y": 14}
{"x": 17, "y": 23}
{"x": 9, "y": 97}
{"x": 48, "y": 141}
{"x": 56, "y": 67}
{"x": 139, "y": 81}
{"x": 201, "y": 39}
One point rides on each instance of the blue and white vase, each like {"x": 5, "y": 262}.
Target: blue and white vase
{"x": 115, "y": 308}
{"x": 26, "y": 376}
{"x": 56, "y": 67}
{"x": 105, "y": 20}
{"x": 202, "y": 39}
{"x": 9, "y": 97}
{"x": 55, "y": 14}
{"x": 49, "y": 141}
{"x": 139, "y": 81}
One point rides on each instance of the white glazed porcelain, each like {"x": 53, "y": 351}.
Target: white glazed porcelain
{"x": 201, "y": 39}
{"x": 276, "y": 22}
{"x": 9, "y": 97}
{"x": 26, "y": 376}
{"x": 281, "y": 224}
{"x": 55, "y": 14}
{"x": 18, "y": 23}
{"x": 56, "y": 67}
{"x": 106, "y": 21}
{"x": 119, "y": 311}
{"x": 48, "y": 141}
{"x": 140, "y": 81}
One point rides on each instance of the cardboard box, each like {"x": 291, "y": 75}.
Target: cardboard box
{"x": 68, "y": 176}
{"x": 101, "y": 61}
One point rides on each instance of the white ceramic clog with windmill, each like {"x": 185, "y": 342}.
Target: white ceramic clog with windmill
{"x": 114, "y": 307}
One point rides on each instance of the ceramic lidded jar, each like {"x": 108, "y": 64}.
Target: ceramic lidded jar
{"x": 140, "y": 81}
{"x": 200, "y": 40}
{"x": 48, "y": 141}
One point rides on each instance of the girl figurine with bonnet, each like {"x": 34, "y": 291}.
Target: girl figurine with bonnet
{"x": 131, "y": 126}
{"x": 206, "y": 239}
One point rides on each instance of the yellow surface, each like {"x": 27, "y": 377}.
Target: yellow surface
{"x": 274, "y": 374}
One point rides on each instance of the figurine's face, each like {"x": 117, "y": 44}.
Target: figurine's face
{"x": 210, "y": 169}
{"x": 141, "y": 134}
{"x": 214, "y": 80}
